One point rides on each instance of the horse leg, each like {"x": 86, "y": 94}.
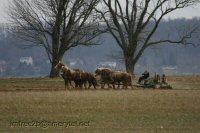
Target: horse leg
{"x": 118, "y": 85}
{"x": 109, "y": 85}
{"x": 85, "y": 85}
{"x": 113, "y": 84}
{"x": 70, "y": 82}
{"x": 90, "y": 84}
{"x": 102, "y": 85}
{"x": 66, "y": 83}
{"x": 126, "y": 85}
{"x": 76, "y": 84}
{"x": 94, "y": 84}
{"x": 80, "y": 85}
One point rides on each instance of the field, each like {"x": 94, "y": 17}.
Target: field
{"x": 43, "y": 105}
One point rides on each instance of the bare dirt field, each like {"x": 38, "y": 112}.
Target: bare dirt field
{"x": 43, "y": 105}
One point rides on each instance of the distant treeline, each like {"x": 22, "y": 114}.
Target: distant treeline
{"x": 184, "y": 58}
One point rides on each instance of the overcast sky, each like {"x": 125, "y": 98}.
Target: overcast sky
{"x": 187, "y": 12}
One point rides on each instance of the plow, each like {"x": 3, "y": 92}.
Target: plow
{"x": 155, "y": 82}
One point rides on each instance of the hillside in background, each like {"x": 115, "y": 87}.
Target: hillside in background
{"x": 168, "y": 59}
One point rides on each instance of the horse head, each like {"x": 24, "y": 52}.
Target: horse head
{"x": 60, "y": 65}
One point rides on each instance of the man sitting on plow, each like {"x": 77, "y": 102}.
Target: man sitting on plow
{"x": 144, "y": 76}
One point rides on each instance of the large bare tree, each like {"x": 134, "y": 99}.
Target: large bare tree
{"x": 55, "y": 25}
{"x": 133, "y": 24}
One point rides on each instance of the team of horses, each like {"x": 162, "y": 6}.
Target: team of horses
{"x": 102, "y": 77}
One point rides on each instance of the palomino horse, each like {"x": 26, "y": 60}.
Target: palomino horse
{"x": 61, "y": 66}
{"x": 111, "y": 77}
{"x": 122, "y": 77}
{"x": 105, "y": 76}
{"x": 79, "y": 77}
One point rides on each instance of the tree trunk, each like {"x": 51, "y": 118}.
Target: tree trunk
{"x": 129, "y": 65}
{"x": 55, "y": 73}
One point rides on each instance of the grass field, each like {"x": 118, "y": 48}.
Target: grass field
{"x": 42, "y": 105}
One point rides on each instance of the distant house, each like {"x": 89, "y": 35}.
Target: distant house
{"x": 109, "y": 64}
{"x": 27, "y": 60}
{"x": 76, "y": 62}
{"x": 170, "y": 70}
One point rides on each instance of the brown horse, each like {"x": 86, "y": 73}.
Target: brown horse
{"x": 89, "y": 78}
{"x": 112, "y": 77}
{"x": 79, "y": 77}
{"x": 61, "y": 66}
{"x": 73, "y": 75}
{"x": 121, "y": 77}
{"x": 105, "y": 74}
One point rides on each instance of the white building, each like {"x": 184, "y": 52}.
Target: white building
{"x": 109, "y": 64}
{"x": 170, "y": 70}
{"x": 27, "y": 60}
{"x": 75, "y": 62}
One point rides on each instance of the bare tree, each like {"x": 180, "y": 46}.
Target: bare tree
{"x": 55, "y": 25}
{"x": 133, "y": 24}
